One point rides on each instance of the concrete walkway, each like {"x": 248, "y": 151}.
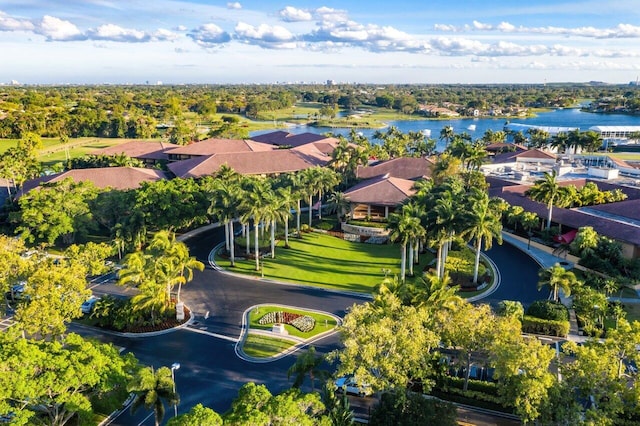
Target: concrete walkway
{"x": 539, "y": 252}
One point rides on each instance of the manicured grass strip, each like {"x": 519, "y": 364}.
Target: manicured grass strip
{"x": 322, "y": 260}
{"x": 260, "y": 346}
{"x": 320, "y": 326}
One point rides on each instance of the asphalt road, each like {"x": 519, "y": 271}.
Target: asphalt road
{"x": 211, "y": 373}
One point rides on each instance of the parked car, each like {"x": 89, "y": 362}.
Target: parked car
{"x": 89, "y": 304}
{"x": 349, "y": 385}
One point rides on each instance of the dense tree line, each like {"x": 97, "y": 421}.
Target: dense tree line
{"x": 137, "y": 111}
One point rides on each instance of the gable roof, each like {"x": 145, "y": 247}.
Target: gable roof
{"x": 247, "y": 163}
{"x": 152, "y": 150}
{"x": 381, "y": 191}
{"x": 403, "y": 167}
{"x": 574, "y": 218}
{"x": 281, "y": 138}
{"x": 220, "y": 146}
{"x": 520, "y": 152}
{"x": 121, "y": 178}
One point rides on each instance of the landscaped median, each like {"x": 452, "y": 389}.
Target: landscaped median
{"x": 270, "y": 332}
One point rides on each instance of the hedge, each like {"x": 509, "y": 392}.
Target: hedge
{"x": 547, "y": 327}
{"x": 489, "y": 388}
{"x": 549, "y": 310}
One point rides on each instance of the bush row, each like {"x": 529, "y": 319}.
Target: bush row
{"x": 547, "y": 327}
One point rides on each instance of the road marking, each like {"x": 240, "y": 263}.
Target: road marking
{"x": 208, "y": 333}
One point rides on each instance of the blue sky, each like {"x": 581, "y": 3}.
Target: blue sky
{"x": 374, "y": 41}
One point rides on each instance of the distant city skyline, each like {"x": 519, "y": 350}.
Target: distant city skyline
{"x": 222, "y": 42}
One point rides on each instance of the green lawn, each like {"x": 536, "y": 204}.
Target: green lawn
{"x": 320, "y": 326}
{"x": 326, "y": 261}
{"x": 259, "y": 346}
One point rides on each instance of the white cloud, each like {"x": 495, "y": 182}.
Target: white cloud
{"x": 180, "y": 28}
{"x": 331, "y": 15}
{"x": 481, "y": 27}
{"x": 234, "y": 5}
{"x": 291, "y": 14}
{"x": 209, "y": 35}
{"x": 445, "y": 28}
{"x": 7, "y": 23}
{"x": 273, "y": 37}
{"x": 506, "y": 27}
{"x": 57, "y": 29}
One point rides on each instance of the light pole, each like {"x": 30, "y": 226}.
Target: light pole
{"x": 175, "y": 366}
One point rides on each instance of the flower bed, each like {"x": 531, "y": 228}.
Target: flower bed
{"x": 303, "y": 323}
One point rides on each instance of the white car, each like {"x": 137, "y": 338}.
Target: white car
{"x": 89, "y": 304}
{"x": 349, "y": 385}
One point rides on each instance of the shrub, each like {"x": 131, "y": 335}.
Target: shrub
{"x": 490, "y": 388}
{"x": 548, "y": 310}
{"x": 547, "y": 327}
{"x": 463, "y": 262}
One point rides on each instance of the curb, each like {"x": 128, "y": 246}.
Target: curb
{"x": 296, "y": 347}
{"x": 135, "y": 335}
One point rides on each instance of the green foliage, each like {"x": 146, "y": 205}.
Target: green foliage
{"x": 56, "y": 210}
{"x": 255, "y": 405}
{"x": 511, "y": 308}
{"x": 461, "y": 262}
{"x": 404, "y": 408}
{"x": 153, "y": 389}
{"x": 55, "y": 381}
{"x": 489, "y": 388}
{"x": 198, "y": 415}
{"x": 549, "y": 310}
{"x": 547, "y": 327}
{"x": 52, "y": 298}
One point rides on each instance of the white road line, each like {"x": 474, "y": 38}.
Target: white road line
{"x": 208, "y": 333}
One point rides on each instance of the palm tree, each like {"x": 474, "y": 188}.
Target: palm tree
{"x": 287, "y": 201}
{"x": 256, "y": 200}
{"x": 437, "y": 293}
{"x": 307, "y": 363}
{"x": 403, "y": 227}
{"x": 153, "y": 389}
{"x": 482, "y": 223}
{"x": 546, "y": 190}
{"x": 224, "y": 202}
{"x": 338, "y": 203}
{"x": 557, "y": 278}
{"x": 417, "y": 232}
{"x": 326, "y": 180}
{"x": 447, "y": 134}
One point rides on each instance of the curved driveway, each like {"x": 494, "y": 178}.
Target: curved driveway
{"x": 211, "y": 373}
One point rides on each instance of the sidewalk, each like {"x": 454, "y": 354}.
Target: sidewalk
{"x": 539, "y": 252}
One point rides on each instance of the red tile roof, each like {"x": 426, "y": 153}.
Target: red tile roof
{"x": 282, "y": 138}
{"x": 247, "y": 163}
{"x": 574, "y": 218}
{"x": 512, "y": 156}
{"x": 404, "y": 167}
{"x": 220, "y": 146}
{"x": 152, "y": 150}
{"x": 109, "y": 177}
{"x": 381, "y": 191}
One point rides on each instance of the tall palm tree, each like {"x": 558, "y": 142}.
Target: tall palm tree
{"x": 403, "y": 227}
{"x": 482, "y": 224}
{"x": 153, "y": 389}
{"x": 417, "y": 232}
{"x": 557, "y": 278}
{"x": 548, "y": 191}
{"x": 224, "y": 206}
{"x": 307, "y": 363}
{"x": 339, "y": 204}
{"x": 436, "y": 292}
{"x": 447, "y": 134}
{"x": 257, "y": 198}
{"x": 286, "y": 201}
{"x": 326, "y": 180}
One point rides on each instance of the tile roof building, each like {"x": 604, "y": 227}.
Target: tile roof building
{"x": 377, "y": 197}
{"x": 150, "y": 152}
{"x": 120, "y": 178}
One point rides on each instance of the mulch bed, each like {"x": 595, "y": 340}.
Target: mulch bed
{"x": 165, "y": 325}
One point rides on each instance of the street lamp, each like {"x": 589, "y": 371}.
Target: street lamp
{"x": 175, "y": 366}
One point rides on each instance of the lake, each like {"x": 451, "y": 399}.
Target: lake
{"x": 568, "y": 117}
